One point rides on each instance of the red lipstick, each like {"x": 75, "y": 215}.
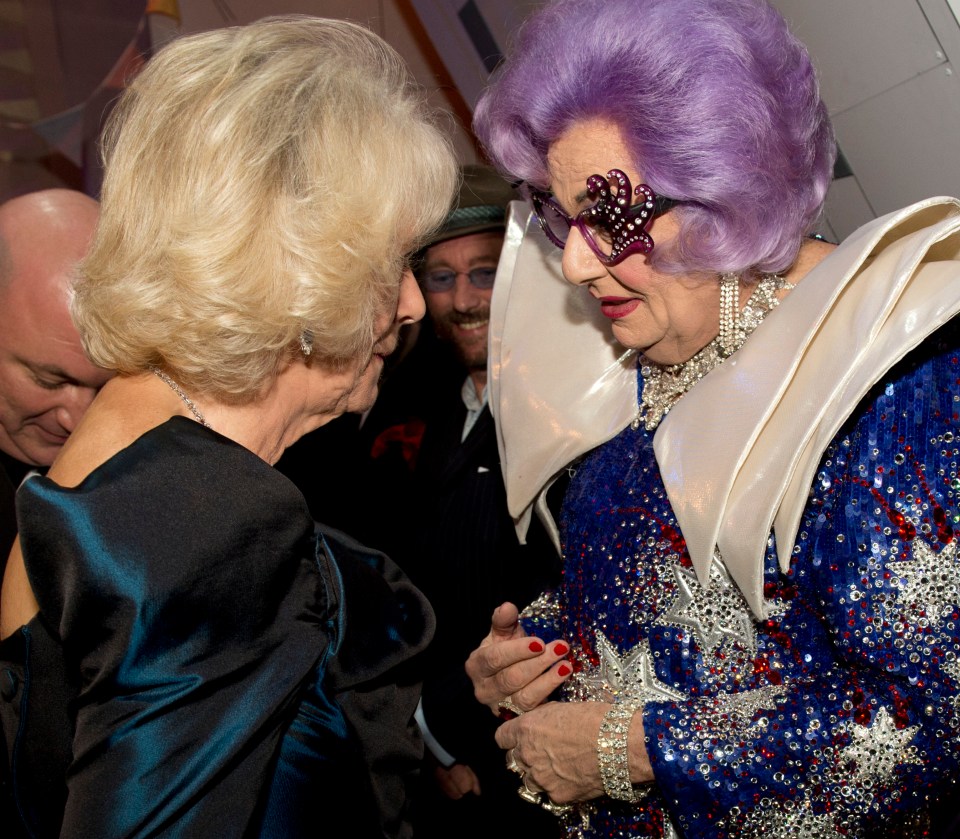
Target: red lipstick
{"x": 617, "y": 307}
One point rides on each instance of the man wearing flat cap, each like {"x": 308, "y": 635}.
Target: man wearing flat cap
{"x": 450, "y": 529}
{"x": 457, "y": 273}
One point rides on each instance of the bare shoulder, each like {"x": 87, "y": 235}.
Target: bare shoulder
{"x": 126, "y": 408}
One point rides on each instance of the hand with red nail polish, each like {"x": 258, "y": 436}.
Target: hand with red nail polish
{"x": 509, "y": 666}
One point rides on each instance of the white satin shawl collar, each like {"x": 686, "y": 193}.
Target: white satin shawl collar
{"x": 559, "y": 384}
{"x": 738, "y": 453}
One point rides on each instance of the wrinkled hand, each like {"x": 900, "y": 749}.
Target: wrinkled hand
{"x": 555, "y": 745}
{"x": 508, "y": 663}
{"x": 457, "y": 780}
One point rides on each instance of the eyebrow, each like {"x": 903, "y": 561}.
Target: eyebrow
{"x": 475, "y": 262}
{"x": 50, "y": 370}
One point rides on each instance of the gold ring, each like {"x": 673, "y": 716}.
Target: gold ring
{"x": 555, "y": 809}
{"x": 541, "y": 798}
{"x": 507, "y": 709}
{"x": 526, "y": 793}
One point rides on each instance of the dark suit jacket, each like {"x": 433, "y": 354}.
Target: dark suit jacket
{"x": 405, "y": 484}
{"x": 446, "y": 524}
{"x": 442, "y": 515}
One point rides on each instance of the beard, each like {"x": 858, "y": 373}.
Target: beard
{"x": 470, "y": 346}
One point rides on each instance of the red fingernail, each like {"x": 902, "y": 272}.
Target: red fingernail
{"x": 536, "y": 647}
{"x": 561, "y": 649}
{"x": 563, "y": 670}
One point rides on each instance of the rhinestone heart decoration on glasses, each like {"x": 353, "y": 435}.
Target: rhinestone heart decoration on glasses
{"x": 614, "y": 226}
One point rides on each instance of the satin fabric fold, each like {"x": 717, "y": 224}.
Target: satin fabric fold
{"x": 559, "y": 383}
{"x": 738, "y": 452}
{"x": 236, "y": 675}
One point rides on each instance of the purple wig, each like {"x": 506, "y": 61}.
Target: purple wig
{"x": 716, "y": 100}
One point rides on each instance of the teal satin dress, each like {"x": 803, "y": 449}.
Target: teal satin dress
{"x": 232, "y": 669}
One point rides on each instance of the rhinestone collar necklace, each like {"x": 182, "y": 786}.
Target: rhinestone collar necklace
{"x": 177, "y": 390}
{"x": 663, "y": 385}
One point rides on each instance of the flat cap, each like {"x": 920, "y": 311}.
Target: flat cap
{"x": 481, "y": 206}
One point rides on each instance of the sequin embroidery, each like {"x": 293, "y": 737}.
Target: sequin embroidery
{"x": 838, "y": 715}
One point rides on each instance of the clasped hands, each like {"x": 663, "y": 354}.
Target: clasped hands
{"x": 552, "y": 744}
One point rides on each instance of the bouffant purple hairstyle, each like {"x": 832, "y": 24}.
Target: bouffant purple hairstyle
{"x": 716, "y": 100}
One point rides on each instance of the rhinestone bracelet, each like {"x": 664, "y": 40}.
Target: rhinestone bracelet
{"x": 612, "y": 753}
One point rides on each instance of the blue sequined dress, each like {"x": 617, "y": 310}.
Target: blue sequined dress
{"x": 838, "y": 715}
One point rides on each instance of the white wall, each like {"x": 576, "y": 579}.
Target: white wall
{"x": 887, "y": 75}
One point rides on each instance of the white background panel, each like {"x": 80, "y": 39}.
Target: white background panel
{"x": 862, "y": 47}
{"x": 903, "y": 144}
{"x": 846, "y": 209}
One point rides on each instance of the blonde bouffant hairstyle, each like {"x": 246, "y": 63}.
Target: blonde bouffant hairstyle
{"x": 261, "y": 181}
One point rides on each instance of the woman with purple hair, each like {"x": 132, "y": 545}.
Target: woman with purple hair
{"x": 758, "y": 629}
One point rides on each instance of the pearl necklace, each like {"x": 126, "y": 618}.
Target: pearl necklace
{"x": 664, "y": 385}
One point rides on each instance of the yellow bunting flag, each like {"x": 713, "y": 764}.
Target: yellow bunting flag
{"x": 170, "y": 8}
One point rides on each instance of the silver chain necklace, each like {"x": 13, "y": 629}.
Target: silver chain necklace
{"x": 664, "y": 385}
{"x": 177, "y": 390}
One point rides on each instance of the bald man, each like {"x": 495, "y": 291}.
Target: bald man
{"x": 46, "y": 381}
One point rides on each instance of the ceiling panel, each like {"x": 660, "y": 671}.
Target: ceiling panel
{"x": 902, "y": 144}
{"x": 862, "y": 47}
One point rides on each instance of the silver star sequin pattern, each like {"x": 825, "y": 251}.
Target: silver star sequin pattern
{"x": 631, "y": 675}
{"x": 714, "y": 613}
{"x": 930, "y": 581}
{"x": 848, "y": 623}
{"x": 733, "y": 713}
{"x": 879, "y": 748}
{"x": 668, "y": 830}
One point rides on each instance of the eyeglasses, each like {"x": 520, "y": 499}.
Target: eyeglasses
{"x": 612, "y": 227}
{"x": 444, "y": 280}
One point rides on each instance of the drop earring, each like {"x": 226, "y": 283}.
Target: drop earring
{"x": 729, "y": 312}
{"x": 306, "y": 342}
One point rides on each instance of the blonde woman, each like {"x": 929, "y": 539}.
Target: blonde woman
{"x": 230, "y": 672}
